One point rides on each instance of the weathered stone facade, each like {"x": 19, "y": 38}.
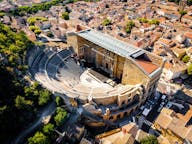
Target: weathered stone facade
{"x": 126, "y": 69}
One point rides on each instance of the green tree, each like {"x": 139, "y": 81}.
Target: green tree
{"x": 21, "y": 103}
{"x": 2, "y": 14}
{"x": 34, "y": 28}
{"x": 154, "y": 21}
{"x": 189, "y": 69}
{"x": 182, "y": 13}
{"x": 39, "y": 138}
{"x": 3, "y": 109}
{"x": 60, "y": 116}
{"x": 189, "y": 2}
{"x": 143, "y": 20}
{"x": 149, "y": 140}
{"x": 186, "y": 58}
{"x": 50, "y": 34}
{"x": 65, "y": 16}
{"x": 129, "y": 26}
{"x": 106, "y": 22}
{"x": 44, "y": 97}
{"x": 58, "y": 100}
{"x": 38, "y": 31}
{"x": 48, "y": 129}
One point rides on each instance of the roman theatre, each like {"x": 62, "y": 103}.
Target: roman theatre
{"x": 109, "y": 77}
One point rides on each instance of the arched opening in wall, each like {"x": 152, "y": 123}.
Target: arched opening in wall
{"x": 143, "y": 89}
{"x": 111, "y": 117}
{"x": 123, "y": 103}
{"x": 136, "y": 97}
{"x": 125, "y": 113}
{"x": 121, "y": 75}
{"x": 118, "y": 116}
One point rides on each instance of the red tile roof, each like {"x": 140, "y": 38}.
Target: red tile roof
{"x": 147, "y": 66}
{"x": 188, "y": 35}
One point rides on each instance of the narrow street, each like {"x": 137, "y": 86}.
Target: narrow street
{"x": 48, "y": 110}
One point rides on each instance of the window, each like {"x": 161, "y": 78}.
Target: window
{"x": 107, "y": 66}
{"x": 107, "y": 53}
{"x": 82, "y": 50}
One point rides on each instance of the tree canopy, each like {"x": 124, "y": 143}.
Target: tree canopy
{"x": 149, "y": 140}
{"x": 60, "y": 116}
{"x": 129, "y": 26}
{"x": 186, "y": 58}
{"x": 38, "y": 138}
{"x": 48, "y": 129}
{"x": 189, "y": 69}
{"x": 19, "y": 101}
{"x": 106, "y": 22}
{"x": 44, "y": 97}
{"x": 22, "y": 10}
{"x": 65, "y": 16}
{"x": 13, "y": 45}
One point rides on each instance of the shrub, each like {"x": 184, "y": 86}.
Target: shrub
{"x": 32, "y": 20}
{"x": 60, "y": 116}
{"x": 106, "y": 22}
{"x": 143, "y": 20}
{"x": 154, "y": 21}
{"x": 2, "y": 14}
{"x": 38, "y": 31}
{"x": 129, "y": 26}
{"x": 189, "y": 69}
{"x": 48, "y": 129}
{"x": 49, "y": 34}
{"x": 44, "y": 97}
{"x": 182, "y": 12}
{"x": 58, "y": 100}
{"x": 65, "y": 16}
{"x": 186, "y": 58}
{"x": 149, "y": 140}
{"x": 38, "y": 138}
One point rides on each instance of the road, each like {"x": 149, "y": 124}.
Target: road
{"x": 48, "y": 110}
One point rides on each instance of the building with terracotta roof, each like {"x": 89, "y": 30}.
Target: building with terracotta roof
{"x": 173, "y": 70}
{"x": 175, "y": 127}
{"x": 127, "y": 134}
{"x": 188, "y": 36}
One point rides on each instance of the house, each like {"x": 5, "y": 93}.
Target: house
{"x": 147, "y": 27}
{"x": 168, "y": 14}
{"x": 6, "y": 20}
{"x": 31, "y": 35}
{"x": 188, "y": 36}
{"x": 175, "y": 126}
{"x": 127, "y": 134}
{"x": 85, "y": 141}
{"x": 173, "y": 70}
{"x": 179, "y": 52}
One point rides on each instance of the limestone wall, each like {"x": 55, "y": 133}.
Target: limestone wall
{"x": 132, "y": 75}
{"x": 72, "y": 41}
{"x": 104, "y": 100}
